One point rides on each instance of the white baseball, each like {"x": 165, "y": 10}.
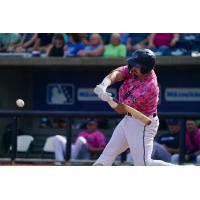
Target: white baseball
{"x": 20, "y": 103}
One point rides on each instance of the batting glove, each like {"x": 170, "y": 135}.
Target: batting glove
{"x": 105, "y": 96}
{"x": 99, "y": 89}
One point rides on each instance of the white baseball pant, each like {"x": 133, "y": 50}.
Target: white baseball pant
{"x": 132, "y": 133}
{"x": 78, "y": 150}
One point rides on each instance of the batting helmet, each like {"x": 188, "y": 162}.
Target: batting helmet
{"x": 144, "y": 59}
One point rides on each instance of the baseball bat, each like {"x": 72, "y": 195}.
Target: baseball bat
{"x": 135, "y": 113}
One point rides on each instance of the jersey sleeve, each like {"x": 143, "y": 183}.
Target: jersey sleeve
{"x": 124, "y": 71}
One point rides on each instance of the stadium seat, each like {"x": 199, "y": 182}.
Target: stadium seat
{"x": 23, "y": 145}
{"x": 48, "y": 146}
{"x": 48, "y": 151}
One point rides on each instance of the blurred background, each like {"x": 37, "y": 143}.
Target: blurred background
{"x": 55, "y": 73}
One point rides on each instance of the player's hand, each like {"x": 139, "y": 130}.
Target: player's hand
{"x": 105, "y": 96}
{"x": 99, "y": 89}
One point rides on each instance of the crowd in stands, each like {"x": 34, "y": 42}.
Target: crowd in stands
{"x": 97, "y": 44}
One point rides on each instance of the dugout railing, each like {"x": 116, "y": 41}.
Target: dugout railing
{"x": 16, "y": 115}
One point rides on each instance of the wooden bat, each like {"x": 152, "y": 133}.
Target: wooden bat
{"x": 135, "y": 113}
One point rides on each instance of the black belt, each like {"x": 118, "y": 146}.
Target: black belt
{"x": 154, "y": 114}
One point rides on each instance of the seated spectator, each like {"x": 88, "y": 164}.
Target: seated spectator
{"x": 136, "y": 41}
{"x": 161, "y": 42}
{"x": 57, "y": 48}
{"x": 59, "y": 123}
{"x": 170, "y": 140}
{"x": 62, "y": 123}
{"x": 43, "y": 42}
{"x": 74, "y": 45}
{"x": 115, "y": 48}
{"x": 95, "y": 47}
{"x": 89, "y": 143}
{"x": 105, "y": 37}
{"x": 124, "y": 37}
{"x": 85, "y": 38}
{"x": 27, "y": 42}
{"x": 45, "y": 123}
{"x": 9, "y": 41}
{"x": 192, "y": 143}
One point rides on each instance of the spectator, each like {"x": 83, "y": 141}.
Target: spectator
{"x": 84, "y": 38}
{"x": 9, "y": 41}
{"x": 57, "y": 48}
{"x": 95, "y": 47}
{"x": 43, "y": 42}
{"x": 55, "y": 123}
{"x": 192, "y": 143}
{"x": 105, "y": 37}
{"x": 136, "y": 41}
{"x": 89, "y": 143}
{"x": 161, "y": 42}
{"x": 115, "y": 48}
{"x": 124, "y": 37}
{"x": 170, "y": 140}
{"x": 62, "y": 123}
{"x": 44, "y": 123}
{"x": 59, "y": 123}
{"x": 27, "y": 42}
{"x": 74, "y": 45}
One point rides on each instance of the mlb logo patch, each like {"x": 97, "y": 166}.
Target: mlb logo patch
{"x": 60, "y": 94}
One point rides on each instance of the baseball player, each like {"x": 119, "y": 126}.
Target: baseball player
{"x": 140, "y": 91}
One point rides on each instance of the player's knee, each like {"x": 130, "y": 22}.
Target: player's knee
{"x": 57, "y": 139}
{"x": 81, "y": 140}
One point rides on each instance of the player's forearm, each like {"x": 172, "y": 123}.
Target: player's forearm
{"x": 111, "y": 79}
{"x": 118, "y": 108}
{"x": 115, "y": 76}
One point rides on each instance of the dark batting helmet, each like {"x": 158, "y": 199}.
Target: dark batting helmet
{"x": 144, "y": 59}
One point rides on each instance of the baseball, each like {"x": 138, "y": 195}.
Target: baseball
{"x": 20, "y": 103}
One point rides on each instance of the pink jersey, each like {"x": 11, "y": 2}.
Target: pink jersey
{"x": 193, "y": 143}
{"x": 95, "y": 139}
{"x": 141, "y": 95}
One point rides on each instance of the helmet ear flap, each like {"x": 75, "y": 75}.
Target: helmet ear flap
{"x": 145, "y": 70}
{"x": 129, "y": 67}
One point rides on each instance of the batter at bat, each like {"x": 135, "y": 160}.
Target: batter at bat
{"x": 139, "y": 90}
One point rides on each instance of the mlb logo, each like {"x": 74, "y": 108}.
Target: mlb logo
{"x": 60, "y": 94}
